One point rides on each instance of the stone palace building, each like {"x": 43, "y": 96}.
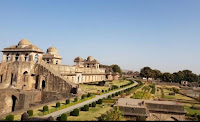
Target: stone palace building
{"x": 28, "y": 75}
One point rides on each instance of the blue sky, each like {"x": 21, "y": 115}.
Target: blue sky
{"x": 162, "y": 34}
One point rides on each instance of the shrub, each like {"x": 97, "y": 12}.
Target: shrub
{"x": 63, "y": 117}
{"x": 75, "y": 112}
{"x": 75, "y": 99}
{"x": 94, "y": 104}
{"x": 102, "y": 91}
{"x": 10, "y": 117}
{"x": 85, "y": 108}
{"x": 106, "y": 90}
{"x": 46, "y": 108}
{"x": 109, "y": 89}
{"x": 57, "y": 104}
{"x": 83, "y": 97}
{"x": 113, "y": 95}
{"x": 116, "y": 94}
{"x": 30, "y": 112}
{"x": 67, "y": 101}
{"x": 109, "y": 96}
{"x": 88, "y": 95}
{"x": 99, "y": 101}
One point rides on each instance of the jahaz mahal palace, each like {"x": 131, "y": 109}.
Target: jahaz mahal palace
{"x": 28, "y": 75}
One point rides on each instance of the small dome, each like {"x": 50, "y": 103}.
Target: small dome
{"x": 90, "y": 58}
{"x": 52, "y": 50}
{"x": 78, "y": 58}
{"x": 24, "y": 42}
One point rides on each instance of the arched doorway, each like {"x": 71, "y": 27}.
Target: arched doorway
{"x": 13, "y": 102}
{"x": 43, "y": 84}
{"x": 37, "y": 82}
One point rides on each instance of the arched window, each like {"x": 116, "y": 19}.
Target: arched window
{"x": 88, "y": 65}
{"x": 47, "y": 60}
{"x": 26, "y": 57}
{"x": 56, "y": 61}
{"x": 25, "y": 76}
{"x": 8, "y": 57}
{"x": 36, "y": 58}
{"x": 17, "y": 57}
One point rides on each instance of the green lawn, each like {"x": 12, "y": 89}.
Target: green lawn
{"x": 92, "y": 114}
{"x": 191, "y": 111}
{"x": 95, "y": 88}
{"x": 176, "y": 96}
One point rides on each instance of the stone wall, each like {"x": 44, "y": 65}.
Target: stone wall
{"x": 12, "y": 100}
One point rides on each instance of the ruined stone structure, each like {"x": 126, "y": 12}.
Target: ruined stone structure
{"x": 25, "y": 67}
{"x": 152, "y": 110}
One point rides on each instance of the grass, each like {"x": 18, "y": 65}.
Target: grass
{"x": 92, "y": 114}
{"x": 191, "y": 111}
{"x": 176, "y": 96}
{"x": 95, "y": 88}
{"x": 63, "y": 106}
{"x": 38, "y": 111}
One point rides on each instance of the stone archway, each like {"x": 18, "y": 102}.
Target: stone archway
{"x": 14, "y": 99}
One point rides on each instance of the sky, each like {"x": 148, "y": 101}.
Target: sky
{"x": 161, "y": 34}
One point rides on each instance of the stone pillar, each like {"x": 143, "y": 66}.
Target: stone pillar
{"x": 21, "y": 57}
{"x": 4, "y": 58}
{"x": 12, "y": 57}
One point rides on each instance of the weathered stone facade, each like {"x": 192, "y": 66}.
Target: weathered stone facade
{"x": 26, "y": 67}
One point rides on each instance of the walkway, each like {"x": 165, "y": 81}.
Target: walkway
{"x": 71, "y": 108}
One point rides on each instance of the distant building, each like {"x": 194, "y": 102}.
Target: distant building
{"x": 152, "y": 110}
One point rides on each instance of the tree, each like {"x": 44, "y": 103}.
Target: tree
{"x": 146, "y": 72}
{"x": 116, "y": 68}
{"x": 156, "y": 74}
{"x": 167, "y": 77}
{"x": 178, "y": 77}
{"x": 113, "y": 115}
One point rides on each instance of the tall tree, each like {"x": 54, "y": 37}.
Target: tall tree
{"x": 116, "y": 68}
{"x": 146, "y": 72}
{"x": 156, "y": 74}
{"x": 167, "y": 77}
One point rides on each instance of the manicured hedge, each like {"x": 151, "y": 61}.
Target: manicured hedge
{"x": 83, "y": 97}
{"x": 46, "y": 108}
{"x": 30, "y": 112}
{"x": 88, "y": 95}
{"x": 94, "y": 104}
{"x": 75, "y": 112}
{"x": 75, "y": 99}
{"x": 99, "y": 101}
{"x": 67, "y": 101}
{"x": 85, "y": 108}
{"x": 109, "y": 96}
{"x": 10, "y": 117}
{"x": 57, "y": 104}
{"x": 63, "y": 117}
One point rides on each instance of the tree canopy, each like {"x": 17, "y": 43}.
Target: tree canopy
{"x": 177, "y": 77}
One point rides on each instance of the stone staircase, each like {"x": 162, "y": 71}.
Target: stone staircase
{"x": 56, "y": 73}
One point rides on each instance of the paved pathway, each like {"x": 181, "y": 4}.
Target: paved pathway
{"x": 79, "y": 105}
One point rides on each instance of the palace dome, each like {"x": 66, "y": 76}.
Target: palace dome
{"x": 52, "y": 50}
{"x": 24, "y": 42}
{"x": 90, "y": 58}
